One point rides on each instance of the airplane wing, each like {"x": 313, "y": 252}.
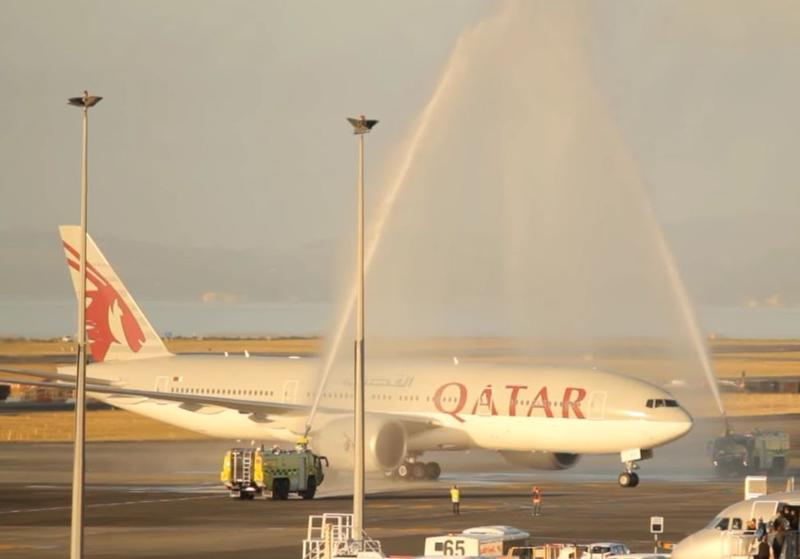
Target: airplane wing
{"x": 259, "y": 411}
{"x": 191, "y": 402}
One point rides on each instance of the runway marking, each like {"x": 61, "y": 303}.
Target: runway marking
{"x": 114, "y": 504}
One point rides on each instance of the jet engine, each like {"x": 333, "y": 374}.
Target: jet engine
{"x": 384, "y": 443}
{"x": 541, "y": 460}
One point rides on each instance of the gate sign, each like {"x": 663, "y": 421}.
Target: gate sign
{"x": 656, "y": 524}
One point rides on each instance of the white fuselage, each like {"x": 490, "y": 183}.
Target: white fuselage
{"x": 728, "y": 534}
{"x": 476, "y": 406}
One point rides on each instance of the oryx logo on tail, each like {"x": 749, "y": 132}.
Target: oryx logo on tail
{"x": 115, "y": 325}
{"x": 108, "y": 318}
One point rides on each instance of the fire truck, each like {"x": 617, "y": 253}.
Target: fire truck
{"x": 750, "y": 453}
{"x": 251, "y": 472}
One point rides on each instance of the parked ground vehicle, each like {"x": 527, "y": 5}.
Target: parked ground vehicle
{"x": 738, "y": 454}
{"x": 640, "y": 556}
{"x": 248, "y": 472}
{"x": 600, "y": 550}
{"x": 484, "y": 541}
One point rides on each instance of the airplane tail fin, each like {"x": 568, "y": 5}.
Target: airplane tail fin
{"x": 115, "y": 325}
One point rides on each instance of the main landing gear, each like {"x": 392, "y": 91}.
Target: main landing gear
{"x": 629, "y": 478}
{"x": 413, "y": 470}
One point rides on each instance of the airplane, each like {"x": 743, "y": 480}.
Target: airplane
{"x": 728, "y": 534}
{"x": 540, "y": 418}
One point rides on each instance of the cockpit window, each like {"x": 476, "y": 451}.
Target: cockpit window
{"x": 722, "y": 524}
{"x": 736, "y": 524}
{"x": 662, "y": 403}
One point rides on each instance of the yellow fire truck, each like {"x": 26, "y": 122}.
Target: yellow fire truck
{"x": 248, "y": 472}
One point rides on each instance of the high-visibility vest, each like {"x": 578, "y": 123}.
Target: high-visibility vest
{"x": 455, "y": 495}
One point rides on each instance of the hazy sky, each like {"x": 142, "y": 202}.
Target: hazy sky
{"x": 223, "y": 126}
{"x": 222, "y": 122}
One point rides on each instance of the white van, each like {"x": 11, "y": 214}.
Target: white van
{"x": 600, "y": 550}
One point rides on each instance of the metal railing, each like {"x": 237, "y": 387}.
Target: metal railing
{"x": 743, "y": 546}
{"x": 331, "y": 535}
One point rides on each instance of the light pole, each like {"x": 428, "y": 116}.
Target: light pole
{"x": 78, "y": 467}
{"x": 361, "y": 126}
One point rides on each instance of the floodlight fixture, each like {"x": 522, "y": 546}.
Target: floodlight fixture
{"x": 86, "y": 101}
{"x": 361, "y": 125}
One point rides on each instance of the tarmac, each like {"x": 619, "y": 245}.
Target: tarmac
{"x": 162, "y": 499}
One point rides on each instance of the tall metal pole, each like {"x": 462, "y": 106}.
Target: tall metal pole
{"x": 78, "y": 466}
{"x": 361, "y": 126}
{"x": 358, "y": 483}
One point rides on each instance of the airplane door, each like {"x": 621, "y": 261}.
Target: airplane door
{"x": 162, "y": 384}
{"x": 485, "y": 403}
{"x": 289, "y": 394}
{"x": 597, "y": 405}
{"x": 764, "y": 509}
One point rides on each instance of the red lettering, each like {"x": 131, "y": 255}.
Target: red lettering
{"x": 512, "y": 402}
{"x": 541, "y": 401}
{"x": 486, "y": 401}
{"x": 566, "y": 404}
{"x": 462, "y": 400}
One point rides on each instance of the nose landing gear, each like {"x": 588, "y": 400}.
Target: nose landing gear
{"x": 629, "y": 478}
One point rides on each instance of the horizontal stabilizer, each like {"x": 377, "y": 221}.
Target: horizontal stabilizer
{"x": 52, "y": 376}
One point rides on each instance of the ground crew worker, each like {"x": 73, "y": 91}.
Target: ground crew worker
{"x": 761, "y": 528}
{"x": 536, "y": 497}
{"x": 455, "y": 498}
{"x": 778, "y": 536}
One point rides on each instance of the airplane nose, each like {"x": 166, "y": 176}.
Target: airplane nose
{"x": 683, "y": 549}
{"x": 700, "y": 545}
{"x": 684, "y": 423}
